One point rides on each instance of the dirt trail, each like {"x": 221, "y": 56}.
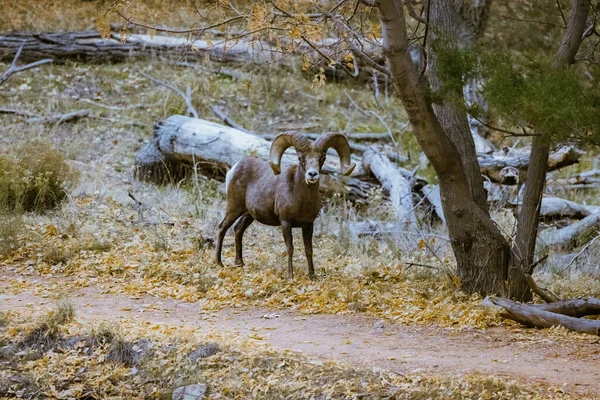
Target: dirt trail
{"x": 355, "y": 339}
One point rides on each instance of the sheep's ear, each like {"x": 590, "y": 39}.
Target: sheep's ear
{"x": 275, "y": 167}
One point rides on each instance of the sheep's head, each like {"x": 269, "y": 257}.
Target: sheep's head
{"x": 311, "y": 157}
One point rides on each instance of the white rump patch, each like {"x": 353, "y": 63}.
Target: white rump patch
{"x": 228, "y": 177}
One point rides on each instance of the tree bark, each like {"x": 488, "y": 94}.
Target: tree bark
{"x": 482, "y": 253}
{"x": 529, "y": 213}
{"x": 447, "y": 26}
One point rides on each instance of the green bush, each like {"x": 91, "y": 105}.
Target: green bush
{"x": 34, "y": 177}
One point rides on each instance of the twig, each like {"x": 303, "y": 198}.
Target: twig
{"x": 580, "y": 253}
{"x": 60, "y": 118}
{"x": 13, "y": 69}
{"x": 363, "y": 112}
{"x": 172, "y": 30}
{"x": 18, "y": 112}
{"x": 511, "y": 133}
{"x": 186, "y": 97}
{"x": 227, "y": 120}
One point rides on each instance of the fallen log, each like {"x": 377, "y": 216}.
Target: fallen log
{"x": 181, "y": 143}
{"x": 399, "y": 188}
{"x": 572, "y": 235}
{"x": 537, "y": 317}
{"x": 573, "y": 308}
{"x": 493, "y": 165}
{"x": 555, "y": 207}
{"x": 90, "y": 46}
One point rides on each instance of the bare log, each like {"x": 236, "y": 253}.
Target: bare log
{"x": 493, "y": 165}
{"x": 89, "y": 45}
{"x": 181, "y": 143}
{"x": 555, "y": 207}
{"x": 539, "y": 318}
{"x": 573, "y": 308}
{"x": 572, "y": 235}
{"x": 397, "y": 185}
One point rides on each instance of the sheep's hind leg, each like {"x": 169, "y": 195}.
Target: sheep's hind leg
{"x": 223, "y": 227}
{"x": 286, "y": 228}
{"x": 239, "y": 228}
{"x": 307, "y": 236}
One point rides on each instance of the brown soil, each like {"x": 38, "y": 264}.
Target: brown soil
{"x": 355, "y": 339}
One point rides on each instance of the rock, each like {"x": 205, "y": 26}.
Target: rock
{"x": 190, "y": 392}
{"x": 206, "y": 350}
{"x": 379, "y": 325}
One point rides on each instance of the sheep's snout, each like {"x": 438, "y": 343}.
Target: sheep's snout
{"x": 312, "y": 176}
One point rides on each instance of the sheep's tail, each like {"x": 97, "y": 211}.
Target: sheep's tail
{"x": 228, "y": 177}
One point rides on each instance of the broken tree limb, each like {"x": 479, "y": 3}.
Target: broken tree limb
{"x": 187, "y": 97}
{"x": 492, "y": 165}
{"x": 539, "y": 318}
{"x": 228, "y": 121}
{"x": 573, "y": 308}
{"x": 555, "y": 207}
{"x": 399, "y": 188}
{"x": 180, "y": 143}
{"x": 61, "y": 118}
{"x": 572, "y": 235}
{"x": 14, "y": 69}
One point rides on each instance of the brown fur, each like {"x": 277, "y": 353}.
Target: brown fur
{"x": 288, "y": 200}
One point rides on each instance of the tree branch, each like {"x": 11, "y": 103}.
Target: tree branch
{"x": 184, "y": 96}
{"x": 13, "y": 69}
{"x": 172, "y": 30}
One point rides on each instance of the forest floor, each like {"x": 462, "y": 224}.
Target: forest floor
{"x": 528, "y": 357}
{"x": 381, "y": 320}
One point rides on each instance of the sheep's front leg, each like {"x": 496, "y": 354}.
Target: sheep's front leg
{"x": 307, "y": 235}
{"x": 286, "y": 228}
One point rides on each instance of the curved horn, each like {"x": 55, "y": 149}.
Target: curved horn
{"x": 281, "y": 144}
{"x": 340, "y": 144}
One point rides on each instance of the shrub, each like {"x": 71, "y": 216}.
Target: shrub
{"x": 34, "y": 177}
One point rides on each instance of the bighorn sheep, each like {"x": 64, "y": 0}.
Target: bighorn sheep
{"x": 259, "y": 190}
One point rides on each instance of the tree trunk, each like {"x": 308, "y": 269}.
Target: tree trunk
{"x": 482, "y": 253}
{"x": 524, "y": 246}
{"x": 447, "y": 26}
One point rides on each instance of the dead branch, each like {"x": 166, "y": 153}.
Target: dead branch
{"x": 544, "y": 293}
{"x": 533, "y": 316}
{"x": 228, "y": 121}
{"x": 18, "y": 112}
{"x": 573, "y": 234}
{"x": 573, "y": 308}
{"x": 185, "y": 96}
{"x": 61, "y": 118}
{"x": 14, "y": 69}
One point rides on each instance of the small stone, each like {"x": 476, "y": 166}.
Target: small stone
{"x": 190, "y": 392}
{"x": 379, "y": 325}
{"x": 206, "y": 350}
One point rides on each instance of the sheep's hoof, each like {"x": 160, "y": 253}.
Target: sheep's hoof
{"x": 240, "y": 263}
{"x": 219, "y": 264}
{"x": 312, "y": 277}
